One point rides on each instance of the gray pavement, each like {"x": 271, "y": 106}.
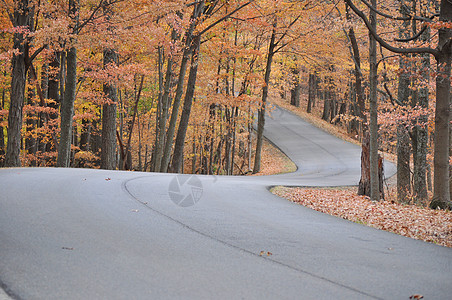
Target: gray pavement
{"x": 95, "y": 234}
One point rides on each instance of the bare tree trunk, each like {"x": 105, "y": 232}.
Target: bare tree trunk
{"x": 420, "y": 132}
{"x": 441, "y": 192}
{"x": 178, "y": 156}
{"x": 403, "y": 96}
{"x": 2, "y": 133}
{"x": 31, "y": 124}
{"x": 261, "y": 112}
{"x": 67, "y": 110}
{"x": 364, "y": 187}
{"x": 373, "y": 128}
{"x": 360, "y": 108}
{"x": 403, "y": 164}
{"x": 311, "y": 92}
{"x": 296, "y": 89}
{"x": 108, "y": 152}
{"x": 67, "y": 106}
{"x": 163, "y": 116}
{"x": 22, "y": 17}
{"x": 197, "y": 11}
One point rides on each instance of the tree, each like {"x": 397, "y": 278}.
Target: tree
{"x": 442, "y": 54}
{"x": 108, "y": 152}
{"x": 21, "y": 19}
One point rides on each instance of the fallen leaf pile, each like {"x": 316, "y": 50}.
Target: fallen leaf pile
{"x": 408, "y": 220}
{"x": 273, "y": 161}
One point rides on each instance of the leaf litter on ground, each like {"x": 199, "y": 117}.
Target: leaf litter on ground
{"x": 412, "y": 221}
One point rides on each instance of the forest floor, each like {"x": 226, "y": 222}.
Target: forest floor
{"x": 408, "y": 220}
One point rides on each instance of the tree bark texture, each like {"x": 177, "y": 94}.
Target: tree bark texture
{"x": 22, "y": 17}
{"x": 108, "y": 150}
{"x": 2, "y": 133}
{"x": 295, "y": 92}
{"x": 403, "y": 165}
{"x": 441, "y": 190}
{"x": 67, "y": 110}
{"x": 67, "y": 105}
{"x": 373, "y": 106}
{"x": 178, "y": 156}
{"x": 163, "y": 116}
{"x": 311, "y": 92}
{"x": 364, "y": 187}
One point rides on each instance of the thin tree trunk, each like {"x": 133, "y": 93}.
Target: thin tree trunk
{"x": 108, "y": 152}
{"x": 2, "y": 132}
{"x": 373, "y": 128}
{"x": 296, "y": 89}
{"x": 360, "y": 108}
{"x": 261, "y": 112}
{"x": 178, "y": 156}
{"x": 311, "y": 92}
{"x": 164, "y": 115}
{"x": 67, "y": 109}
{"x": 127, "y": 161}
{"x": 420, "y": 131}
{"x": 31, "y": 124}
{"x": 67, "y": 106}
{"x": 197, "y": 11}
{"x": 403, "y": 164}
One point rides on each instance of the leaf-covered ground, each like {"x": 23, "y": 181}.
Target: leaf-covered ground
{"x": 408, "y": 220}
{"x": 273, "y": 161}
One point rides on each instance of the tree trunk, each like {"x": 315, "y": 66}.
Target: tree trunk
{"x": 178, "y": 156}
{"x": 420, "y": 131}
{"x": 22, "y": 16}
{"x": 197, "y": 11}
{"x": 311, "y": 92}
{"x": 403, "y": 164}
{"x": 360, "y": 107}
{"x": 261, "y": 112}
{"x": 403, "y": 96}
{"x": 31, "y": 124}
{"x": 85, "y": 135}
{"x": 296, "y": 89}
{"x": 163, "y": 116}
{"x": 364, "y": 187}
{"x": 441, "y": 192}
{"x": 326, "y": 102}
{"x": 373, "y": 128}
{"x": 53, "y": 94}
{"x": 2, "y": 133}
{"x": 67, "y": 109}
{"x": 67, "y": 106}
{"x": 108, "y": 152}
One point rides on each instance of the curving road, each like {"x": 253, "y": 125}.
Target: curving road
{"x": 94, "y": 234}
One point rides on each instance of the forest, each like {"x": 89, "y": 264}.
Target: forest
{"x": 176, "y": 86}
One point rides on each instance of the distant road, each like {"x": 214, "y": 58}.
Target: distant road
{"x": 95, "y": 234}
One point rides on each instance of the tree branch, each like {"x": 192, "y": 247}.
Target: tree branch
{"x": 417, "y": 18}
{"x": 382, "y": 42}
{"x": 225, "y": 17}
{"x": 36, "y": 53}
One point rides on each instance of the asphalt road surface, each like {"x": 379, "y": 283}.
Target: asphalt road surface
{"x": 94, "y": 234}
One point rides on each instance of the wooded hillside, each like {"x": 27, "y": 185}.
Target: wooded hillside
{"x": 174, "y": 86}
